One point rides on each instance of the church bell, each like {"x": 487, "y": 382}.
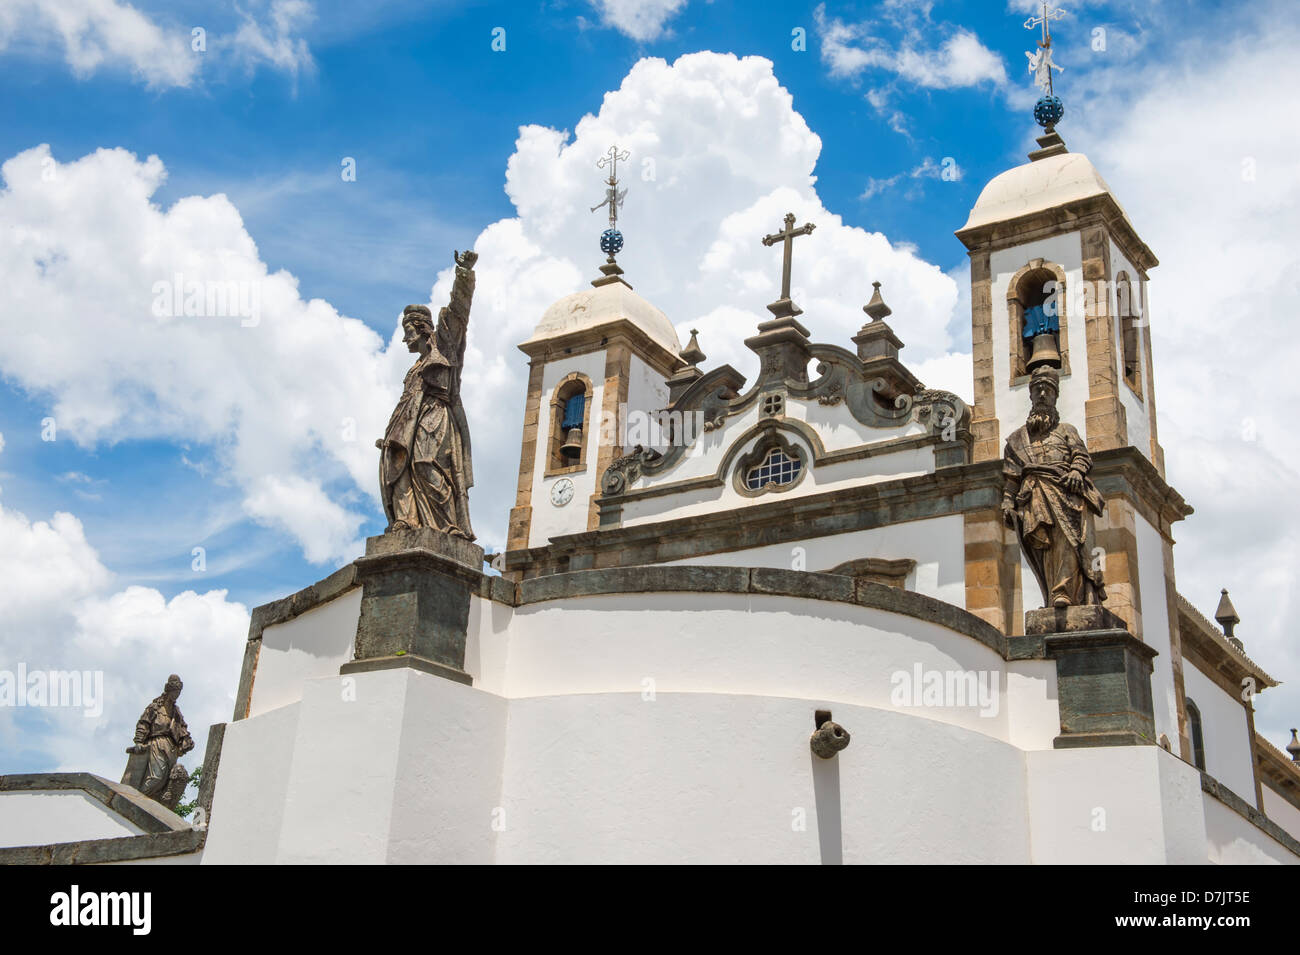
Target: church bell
{"x": 572, "y": 446}
{"x": 1044, "y": 351}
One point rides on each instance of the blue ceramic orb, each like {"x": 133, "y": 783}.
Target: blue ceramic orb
{"x": 611, "y": 241}
{"x": 1048, "y": 111}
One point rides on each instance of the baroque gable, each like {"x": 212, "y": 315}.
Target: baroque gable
{"x": 856, "y": 421}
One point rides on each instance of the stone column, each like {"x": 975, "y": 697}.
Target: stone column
{"x": 984, "y": 420}
{"x": 1106, "y": 422}
{"x": 618, "y": 371}
{"x": 521, "y": 515}
{"x": 992, "y": 570}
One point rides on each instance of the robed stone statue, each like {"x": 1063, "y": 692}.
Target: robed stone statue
{"x": 424, "y": 468}
{"x": 1050, "y": 500}
{"x": 162, "y": 737}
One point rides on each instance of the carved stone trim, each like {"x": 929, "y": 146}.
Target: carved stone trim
{"x": 625, "y": 469}
{"x": 873, "y": 401}
{"x": 889, "y": 573}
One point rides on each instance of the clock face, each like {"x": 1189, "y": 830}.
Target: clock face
{"x": 561, "y": 492}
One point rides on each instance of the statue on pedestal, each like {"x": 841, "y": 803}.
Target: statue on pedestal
{"x": 1050, "y": 501}
{"x": 424, "y": 470}
{"x": 162, "y": 738}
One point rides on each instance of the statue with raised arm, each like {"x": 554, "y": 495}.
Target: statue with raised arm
{"x": 424, "y": 468}
{"x": 162, "y": 737}
{"x": 1050, "y": 500}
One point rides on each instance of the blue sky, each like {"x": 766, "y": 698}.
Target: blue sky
{"x": 164, "y": 442}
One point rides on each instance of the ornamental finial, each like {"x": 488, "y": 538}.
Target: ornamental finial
{"x": 1049, "y": 109}
{"x": 611, "y": 240}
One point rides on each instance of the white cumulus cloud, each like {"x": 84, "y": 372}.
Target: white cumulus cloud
{"x": 58, "y": 611}
{"x": 95, "y": 35}
{"x": 639, "y": 19}
{"x": 275, "y": 384}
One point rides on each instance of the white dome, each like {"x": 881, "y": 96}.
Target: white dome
{"x": 607, "y": 303}
{"x": 1035, "y": 186}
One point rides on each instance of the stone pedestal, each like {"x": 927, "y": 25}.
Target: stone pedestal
{"x": 416, "y": 587}
{"x": 1103, "y": 675}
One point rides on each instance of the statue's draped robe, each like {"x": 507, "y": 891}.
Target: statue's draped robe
{"x": 162, "y": 731}
{"x": 425, "y": 471}
{"x": 1055, "y": 531}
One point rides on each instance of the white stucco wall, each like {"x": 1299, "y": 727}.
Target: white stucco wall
{"x": 646, "y": 393}
{"x": 1228, "y": 750}
{"x": 548, "y": 520}
{"x": 44, "y": 817}
{"x": 1012, "y": 404}
{"x": 1281, "y": 811}
{"x": 313, "y": 644}
{"x": 837, "y": 429}
{"x": 248, "y": 806}
{"x": 746, "y": 644}
{"x": 1129, "y": 804}
{"x": 1156, "y": 627}
{"x": 937, "y": 545}
{"x": 1236, "y": 841}
{"x": 709, "y": 778}
{"x": 414, "y": 768}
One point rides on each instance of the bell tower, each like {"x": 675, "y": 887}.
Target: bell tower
{"x": 599, "y": 362}
{"x": 1059, "y": 278}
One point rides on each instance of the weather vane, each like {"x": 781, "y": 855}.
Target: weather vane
{"x": 611, "y": 240}
{"x": 1049, "y": 109}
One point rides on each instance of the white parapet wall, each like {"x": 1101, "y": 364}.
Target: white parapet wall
{"x": 652, "y": 726}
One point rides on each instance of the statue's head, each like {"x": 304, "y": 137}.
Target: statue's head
{"x": 1044, "y": 387}
{"x": 417, "y": 322}
{"x": 172, "y": 689}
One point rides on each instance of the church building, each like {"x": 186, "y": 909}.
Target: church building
{"x": 783, "y": 619}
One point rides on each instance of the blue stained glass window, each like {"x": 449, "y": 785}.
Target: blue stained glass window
{"x": 573, "y": 409}
{"x": 776, "y": 468}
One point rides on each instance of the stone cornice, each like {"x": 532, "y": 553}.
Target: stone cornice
{"x": 1223, "y": 794}
{"x": 950, "y": 490}
{"x": 1070, "y": 216}
{"x": 1277, "y": 771}
{"x": 165, "y": 833}
{"x": 1205, "y": 641}
{"x": 766, "y": 581}
{"x": 1126, "y": 470}
{"x": 598, "y": 337}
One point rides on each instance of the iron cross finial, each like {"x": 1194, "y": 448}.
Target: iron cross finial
{"x": 1049, "y": 13}
{"x": 787, "y": 235}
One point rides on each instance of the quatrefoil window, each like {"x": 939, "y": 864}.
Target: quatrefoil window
{"x": 773, "y": 404}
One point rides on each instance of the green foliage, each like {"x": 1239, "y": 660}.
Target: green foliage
{"x": 185, "y": 808}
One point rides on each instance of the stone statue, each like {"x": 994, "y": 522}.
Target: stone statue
{"x": 1050, "y": 501}
{"x": 424, "y": 469}
{"x": 162, "y": 737}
